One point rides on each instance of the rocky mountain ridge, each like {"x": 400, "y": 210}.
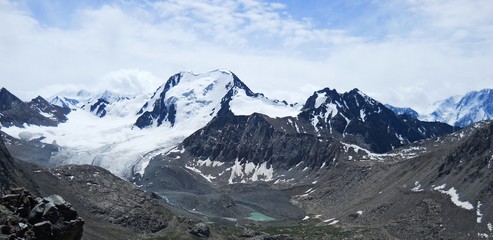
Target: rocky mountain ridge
{"x": 15, "y": 112}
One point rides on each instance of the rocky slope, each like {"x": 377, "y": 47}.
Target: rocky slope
{"x": 22, "y": 216}
{"x": 15, "y": 112}
{"x": 112, "y": 208}
{"x": 416, "y": 196}
{"x": 11, "y": 175}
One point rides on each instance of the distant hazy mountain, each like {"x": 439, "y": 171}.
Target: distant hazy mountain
{"x": 464, "y": 110}
{"x": 399, "y": 111}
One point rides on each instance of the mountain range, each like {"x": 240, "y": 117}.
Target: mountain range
{"x": 210, "y": 149}
{"x": 459, "y": 111}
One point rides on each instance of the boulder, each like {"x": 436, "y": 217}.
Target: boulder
{"x": 43, "y": 230}
{"x": 200, "y": 230}
{"x": 24, "y": 217}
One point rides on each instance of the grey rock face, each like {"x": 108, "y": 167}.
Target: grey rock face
{"x": 41, "y": 218}
{"x": 356, "y": 115}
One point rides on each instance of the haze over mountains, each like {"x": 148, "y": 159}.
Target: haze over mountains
{"x": 461, "y": 111}
{"x": 214, "y": 150}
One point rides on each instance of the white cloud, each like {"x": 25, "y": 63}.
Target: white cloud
{"x": 432, "y": 49}
{"x": 130, "y": 81}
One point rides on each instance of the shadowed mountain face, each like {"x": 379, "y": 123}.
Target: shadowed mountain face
{"x": 366, "y": 122}
{"x": 401, "y": 111}
{"x": 6, "y": 168}
{"x": 15, "y": 112}
{"x": 282, "y": 142}
{"x": 11, "y": 174}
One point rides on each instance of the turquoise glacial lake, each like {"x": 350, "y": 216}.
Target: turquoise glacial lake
{"x": 259, "y": 217}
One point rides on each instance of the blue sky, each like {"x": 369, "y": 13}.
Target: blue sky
{"x": 403, "y": 52}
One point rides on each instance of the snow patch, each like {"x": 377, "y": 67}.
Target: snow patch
{"x": 333, "y": 222}
{"x": 362, "y": 115}
{"x": 440, "y": 187}
{"x": 209, "y": 163}
{"x": 308, "y": 192}
{"x": 305, "y": 218}
{"x": 278, "y": 181}
{"x": 244, "y": 105}
{"x": 454, "y": 196}
{"x": 417, "y": 187}
{"x": 478, "y": 213}
{"x": 207, "y": 177}
{"x": 483, "y": 235}
{"x": 48, "y": 115}
{"x": 250, "y": 171}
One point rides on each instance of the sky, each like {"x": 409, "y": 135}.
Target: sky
{"x": 409, "y": 53}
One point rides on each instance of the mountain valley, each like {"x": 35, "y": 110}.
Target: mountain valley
{"x": 204, "y": 152}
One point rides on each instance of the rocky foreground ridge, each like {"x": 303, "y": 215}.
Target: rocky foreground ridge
{"x": 24, "y": 216}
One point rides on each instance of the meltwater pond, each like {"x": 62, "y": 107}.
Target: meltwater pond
{"x": 259, "y": 217}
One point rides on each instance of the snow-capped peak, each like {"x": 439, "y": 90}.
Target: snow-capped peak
{"x": 191, "y": 99}
{"x": 463, "y": 111}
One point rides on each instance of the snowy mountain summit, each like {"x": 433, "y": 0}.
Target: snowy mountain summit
{"x": 189, "y": 99}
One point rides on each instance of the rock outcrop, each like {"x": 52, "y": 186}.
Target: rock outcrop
{"x": 25, "y": 217}
{"x": 200, "y": 230}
